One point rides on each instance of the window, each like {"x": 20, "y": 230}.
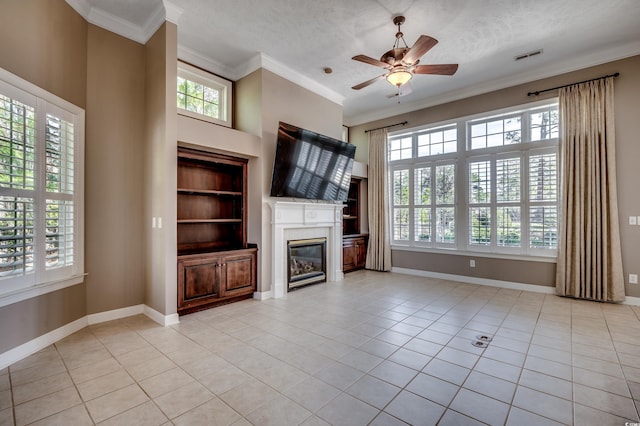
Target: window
{"x": 41, "y": 136}
{"x": 204, "y": 96}
{"x": 486, "y": 183}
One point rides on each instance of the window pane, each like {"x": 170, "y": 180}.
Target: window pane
{"x": 423, "y": 224}
{"x": 438, "y": 141}
{"x": 497, "y": 132}
{"x": 508, "y": 179}
{"x": 480, "y": 225}
{"x": 445, "y": 184}
{"x": 422, "y": 189}
{"x": 544, "y": 124}
{"x": 543, "y": 182}
{"x": 401, "y": 224}
{"x": 400, "y": 148}
{"x": 543, "y": 225}
{"x": 59, "y": 155}
{"x": 401, "y": 187}
{"x": 198, "y": 98}
{"x": 445, "y": 225}
{"x": 17, "y": 228}
{"x": 479, "y": 182}
{"x": 17, "y": 144}
{"x": 509, "y": 229}
{"x": 59, "y": 234}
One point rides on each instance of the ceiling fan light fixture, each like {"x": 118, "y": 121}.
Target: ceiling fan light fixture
{"x": 399, "y": 76}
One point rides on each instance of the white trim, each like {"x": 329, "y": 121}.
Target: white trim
{"x": 32, "y": 346}
{"x": 263, "y": 295}
{"x": 172, "y": 12}
{"x": 474, "y": 280}
{"x": 630, "y": 300}
{"x": 141, "y": 34}
{"x": 185, "y": 54}
{"x": 115, "y": 314}
{"x": 163, "y": 320}
{"x": 38, "y": 290}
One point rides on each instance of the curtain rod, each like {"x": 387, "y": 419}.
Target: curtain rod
{"x": 567, "y": 85}
{"x": 386, "y": 127}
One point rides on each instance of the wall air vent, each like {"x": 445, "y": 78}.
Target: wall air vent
{"x": 528, "y": 55}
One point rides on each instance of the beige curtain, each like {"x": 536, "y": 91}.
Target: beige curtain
{"x": 379, "y": 249}
{"x": 589, "y": 257}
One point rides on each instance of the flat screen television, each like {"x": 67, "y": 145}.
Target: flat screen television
{"x": 310, "y": 165}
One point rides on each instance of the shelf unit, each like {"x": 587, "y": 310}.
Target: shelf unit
{"x": 354, "y": 242}
{"x": 215, "y": 263}
{"x": 351, "y": 211}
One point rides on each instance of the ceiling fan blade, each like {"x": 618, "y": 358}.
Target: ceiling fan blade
{"x": 368, "y": 82}
{"x": 419, "y": 48}
{"x": 370, "y": 61}
{"x": 442, "y": 69}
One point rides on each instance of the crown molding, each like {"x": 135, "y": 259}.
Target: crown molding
{"x": 264, "y": 61}
{"x": 172, "y": 12}
{"x": 141, "y": 34}
{"x": 190, "y": 56}
{"x": 539, "y": 73}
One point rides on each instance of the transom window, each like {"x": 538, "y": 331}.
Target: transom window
{"x": 484, "y": 183}
{"x": 203, "y": 95}
{"x": 41, "y": 138}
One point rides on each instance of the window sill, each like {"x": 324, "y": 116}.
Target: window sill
{"x": 19, "y": 295}
{"x": 468, "y": 253}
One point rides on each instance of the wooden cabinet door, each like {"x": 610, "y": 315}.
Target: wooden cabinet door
{"x": 349, "y": 255}
{"x": 198, "y": 279}
{"x": 238, "y": 274}
{"x": 361, "y": 252}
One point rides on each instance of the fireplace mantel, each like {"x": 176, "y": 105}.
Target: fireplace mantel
{"x": 300, "y": 220}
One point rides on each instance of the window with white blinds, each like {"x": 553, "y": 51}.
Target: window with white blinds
{"x": 484, "y": 183}
{"x": 40, "y": 188}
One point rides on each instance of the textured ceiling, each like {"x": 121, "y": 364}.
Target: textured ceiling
{"x": 298, "y": 38}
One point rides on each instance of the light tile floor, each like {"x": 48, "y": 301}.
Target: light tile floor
{"x": 377, "y": 348}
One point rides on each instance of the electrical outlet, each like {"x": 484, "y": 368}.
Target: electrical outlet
{"x": 472, "y": 263}
{"x": 633, "y": 278}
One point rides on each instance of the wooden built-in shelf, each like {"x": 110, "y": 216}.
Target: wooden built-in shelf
{"x": 209, "y": 220}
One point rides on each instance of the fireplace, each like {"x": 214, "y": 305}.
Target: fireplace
{"x": 307, "y": 262}
{"x": 297, "y": 221}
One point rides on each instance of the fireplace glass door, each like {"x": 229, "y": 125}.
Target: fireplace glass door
{"x": 307, "y": 262}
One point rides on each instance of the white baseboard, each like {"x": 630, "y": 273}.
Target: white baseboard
{"x": 163, "y": 320}
{"x": 263, "y": 295}
{"x": 115, "y": 314}
{"x": 629, "y": 300}
{"x": 479, "y": 281}
{"x": 32, "y": 346}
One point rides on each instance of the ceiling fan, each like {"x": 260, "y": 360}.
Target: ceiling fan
{"x": 402, "y": 62}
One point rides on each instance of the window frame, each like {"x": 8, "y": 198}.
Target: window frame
{"x": 464, "y": 156}
{"x": 42, "y": 280}
{"x": 223, "y": 86}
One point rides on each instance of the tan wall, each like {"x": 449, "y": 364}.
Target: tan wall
{"x": 114, "y": 171}
{"x": 44, "y": 42}
{"x": 160, "y": 169}
{"x": 31, "y": 318}
{"x": 627, "y": 93}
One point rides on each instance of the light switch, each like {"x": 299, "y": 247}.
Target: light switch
{"x": 633, "y": 220}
